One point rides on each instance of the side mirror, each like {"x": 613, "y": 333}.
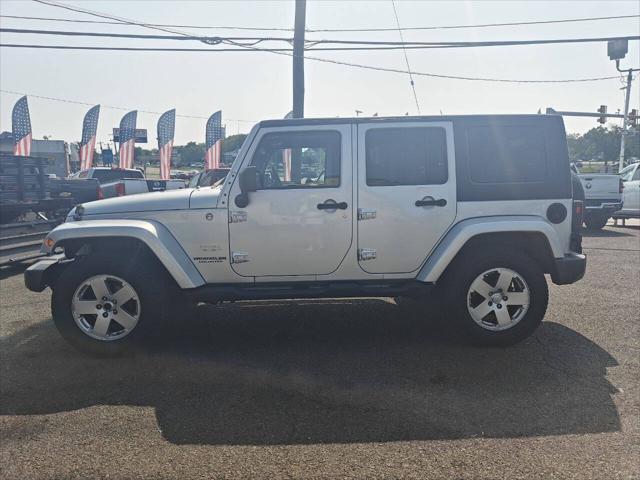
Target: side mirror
{"x": 248, "y": 181}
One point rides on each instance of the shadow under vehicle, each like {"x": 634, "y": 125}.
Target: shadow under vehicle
{"x": 309, "y": 372}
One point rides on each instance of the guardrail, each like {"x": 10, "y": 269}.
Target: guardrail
{"x": 21, "y": 241}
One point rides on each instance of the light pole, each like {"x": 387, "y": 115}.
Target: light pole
{"x": 617, "y": 50}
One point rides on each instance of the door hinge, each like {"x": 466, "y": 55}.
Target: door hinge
{"x": 237, "y": 217}
{"x": 366, "y": 254}
{"x": 239, "y": 257}
{"x": 366, "y": 214}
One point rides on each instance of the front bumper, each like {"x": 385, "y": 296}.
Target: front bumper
{"x": 569, "y": 269}
{"x": 39, "y": 275}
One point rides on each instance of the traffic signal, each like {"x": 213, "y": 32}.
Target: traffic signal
{"x": 633, "y": 118}
{"x": 617, "y": 49}
{"x": 603, "y": 111}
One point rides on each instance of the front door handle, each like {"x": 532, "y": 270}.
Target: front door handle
{"x": 431, "y": 202}
{"x": 332, "y": 205}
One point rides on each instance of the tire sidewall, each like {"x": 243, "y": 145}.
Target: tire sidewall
{"x": 468, "y": 269}
{"x": 143, "y": 276}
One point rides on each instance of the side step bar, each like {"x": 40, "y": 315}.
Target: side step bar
{"x": 279, "y": 290}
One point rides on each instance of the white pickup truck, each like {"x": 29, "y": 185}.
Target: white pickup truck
{"x": 132, "y": 186}
{"x": 603, "y": 196}
{"x": 118, "y": 182}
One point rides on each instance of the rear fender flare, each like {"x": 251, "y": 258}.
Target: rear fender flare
{"x": 456, "y": 238}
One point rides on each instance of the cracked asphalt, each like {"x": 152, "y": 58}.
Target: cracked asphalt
{"x": 334, "y": 389}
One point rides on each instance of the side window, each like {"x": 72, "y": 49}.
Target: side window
{"x": 298, "y": 160}
{"x": 194, "y": 180}
{"x": 507, "y": 154}
{"x": 636, "y": 176}
{"x": 406, "y": 156}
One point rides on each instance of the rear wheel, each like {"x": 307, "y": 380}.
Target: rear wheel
{"x": 596, "y": 221}
{"x": 496, "y": 297}
{"x": 105, "y": 303}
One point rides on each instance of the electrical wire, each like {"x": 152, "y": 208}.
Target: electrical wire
{"x": 316, "y": 59}
{"x": 326, "y": 30}
{"x": 76, "y": 102}
{"x": 325, "y": 60}
{"x": 374, "y": 44}
{"x": 406, "y": 58}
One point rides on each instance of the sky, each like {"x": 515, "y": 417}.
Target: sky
{"x": 250, "y": 86}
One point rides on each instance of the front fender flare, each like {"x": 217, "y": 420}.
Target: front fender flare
{"x": 153, "y": 234}
{"x": 462, "y": 232}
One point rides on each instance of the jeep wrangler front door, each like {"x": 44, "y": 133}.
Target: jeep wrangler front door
{"x": 299, "y": 221}
{"x": 406, "y": 193}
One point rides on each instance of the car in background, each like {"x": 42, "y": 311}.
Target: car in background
{"x": 603, "y": 197}
{"x": 208, "y": 178}
{"x": 630, "y": 177}
{"x": 107, "y": 174}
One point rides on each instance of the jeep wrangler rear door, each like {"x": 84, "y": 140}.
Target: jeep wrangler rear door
{"x": 300, "y": 220}
{"x": 406, "y": 193}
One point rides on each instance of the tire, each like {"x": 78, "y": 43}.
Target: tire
{"x": 596, "y": 221}
{"x": 464, "y": 302}
{"x": 145, "y": 314}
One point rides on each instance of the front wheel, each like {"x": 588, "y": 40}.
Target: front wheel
{"x": 105, "y": 303}
{"x": 496, "y": 298}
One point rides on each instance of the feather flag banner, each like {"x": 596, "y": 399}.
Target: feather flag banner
{"x": 128, "y": 139}
{"x": 88, "y": 142}
{"x": 166, "y": 131}
{"x": 213, "y": 141}
{"x": 21, "y": 128}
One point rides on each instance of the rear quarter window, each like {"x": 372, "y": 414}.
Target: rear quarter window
{"x": 507, "y": 155}
{"x": 511, "y": 157}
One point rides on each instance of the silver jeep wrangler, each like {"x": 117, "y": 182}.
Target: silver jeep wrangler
{"x": 476, "y": 209}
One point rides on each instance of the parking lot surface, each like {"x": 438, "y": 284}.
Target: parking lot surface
{"x": 334, "y": 389}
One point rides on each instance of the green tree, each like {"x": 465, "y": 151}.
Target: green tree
{"x": 233, "y": 142}
{"x": 603, "y": 143}
{"x": 192, "y": 152}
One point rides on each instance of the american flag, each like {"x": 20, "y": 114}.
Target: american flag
{"x": 128, "y": 139}
{"x": 213, "y": 141}
{"x": 166, "y": 129}
{"x": 21, "y": 126}
{"x": 88, "y": 142}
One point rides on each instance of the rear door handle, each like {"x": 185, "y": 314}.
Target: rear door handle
{"x": 332, "y": 205}
{"x": 431, "y": 202}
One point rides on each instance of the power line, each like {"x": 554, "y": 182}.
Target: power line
{"x": 406, "y": 58}
{"x": 77, "y": 102}
{"x": 324, "y": 30}
{"x": 336, "y": 62}
{"x": 106, "y": 16}
{"x": 316, "y": 59}
{"x": 370, "y": 44}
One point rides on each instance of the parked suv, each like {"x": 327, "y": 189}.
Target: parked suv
{"x": 472, "y": 209}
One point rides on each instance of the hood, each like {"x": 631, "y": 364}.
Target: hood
{"x": 142, "y": 202}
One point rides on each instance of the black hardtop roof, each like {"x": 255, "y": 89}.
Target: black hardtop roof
{"x": 404, "y": 118}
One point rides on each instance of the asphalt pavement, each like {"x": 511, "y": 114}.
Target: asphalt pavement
{"x": 334, "y": 389}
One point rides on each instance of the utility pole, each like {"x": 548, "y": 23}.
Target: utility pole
{"x": 298, "y": 59}
{"x": 626, "y": 117}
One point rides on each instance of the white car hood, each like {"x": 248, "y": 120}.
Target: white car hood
{"x": 180, "y": 199}
{"x": 143, "y": 202}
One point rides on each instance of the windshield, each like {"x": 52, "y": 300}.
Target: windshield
{"x": 105, "y": 176}
{"x": 627, "y": 173}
